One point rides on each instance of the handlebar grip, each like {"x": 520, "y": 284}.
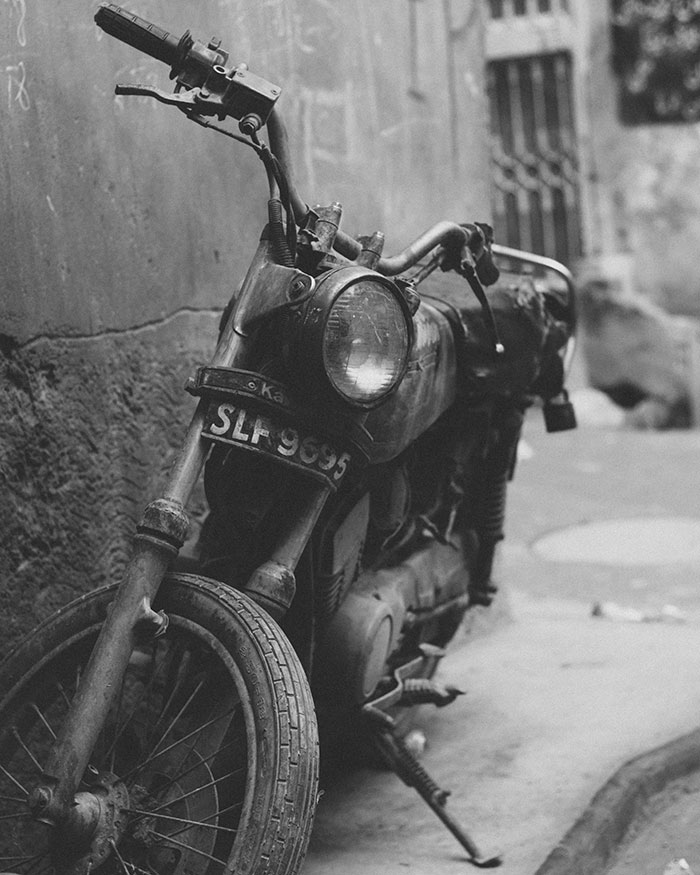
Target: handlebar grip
{"x": 138, "y": 32}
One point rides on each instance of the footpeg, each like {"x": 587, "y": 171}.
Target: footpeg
{"x": 421, "y": 691}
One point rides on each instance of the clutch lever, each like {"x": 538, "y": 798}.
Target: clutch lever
{"x": 252, "y": 108}
{"x": 185, "y": 100}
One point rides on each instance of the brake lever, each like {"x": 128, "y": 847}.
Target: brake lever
{"x": 187, "y": 101}
{"x": 183, "y": 100}
{"x": 236, "y": 92}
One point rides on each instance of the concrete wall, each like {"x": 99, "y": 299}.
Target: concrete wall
{"x": 124, "y": 229}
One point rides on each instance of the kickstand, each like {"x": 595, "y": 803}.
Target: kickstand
{"x": 406, "y": 766}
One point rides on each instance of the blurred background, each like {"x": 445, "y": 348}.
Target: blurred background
{"x": 570, "y": 125}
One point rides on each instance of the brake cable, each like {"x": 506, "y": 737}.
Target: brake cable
{"x": 275, "y": 174}
{"x": 468, "y": 272}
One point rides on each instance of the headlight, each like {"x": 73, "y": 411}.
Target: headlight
{"x": 365, "y": 342}
{"x": 356, "y": 335}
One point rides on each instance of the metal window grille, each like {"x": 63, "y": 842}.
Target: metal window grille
{"x": 536, "y": 184}
{"x": 510, "y": 8}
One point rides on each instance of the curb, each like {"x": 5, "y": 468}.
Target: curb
{"x": 589, "y": 846}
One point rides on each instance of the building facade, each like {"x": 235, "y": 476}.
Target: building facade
{"x": 574, "y": 176}
{"x": 125, "y": 230}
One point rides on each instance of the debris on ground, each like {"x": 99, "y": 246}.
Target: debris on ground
{"x": 613, "y": 611}
{"x": 415, "y": 740}
{"x": 678, "y": 867}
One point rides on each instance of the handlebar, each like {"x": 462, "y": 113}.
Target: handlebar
{"x": 240, "y": 92}
{"x": 445, "y": 234}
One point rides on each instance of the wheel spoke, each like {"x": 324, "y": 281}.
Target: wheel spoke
{"x": 177, "y": 717}
{"x": 120, "y": 859}
{"x": 15, "y": 782}
{"x": 200, "y": 762}
{"x": 173, "y": 841}
{"x": 220, "y": 813}
{"x": 204, "y": 820}
{"x": 24, "y": 747}
{"x": 62, "y": 691}
{"x": 38, "y": 859}
{"x": 22, "y": 860}
{"x": 151, "y": 758}
{"x": 111, "y": 752}
{"x": 182, "y": 662}
{"x": 175, "y": 819}
{"x": 37, "y": 710}
{"x": 197, "y": 790}
{"x": 144, "y": 692}
{"x": 18, "y": 815}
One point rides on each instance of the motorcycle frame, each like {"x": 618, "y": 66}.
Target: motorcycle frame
{"x": 163, "y": 526}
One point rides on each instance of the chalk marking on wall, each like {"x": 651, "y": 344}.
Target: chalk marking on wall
{"x": 276, "y": 15}
{"x": 20, "y": 7}
{"x": 17, "y": 86}
{"x": 423, "y": 121}
{"x": 323, "y": 31}
{"x": 328, "y": 128}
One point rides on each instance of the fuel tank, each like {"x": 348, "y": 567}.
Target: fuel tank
{"x": 426, "y": 391}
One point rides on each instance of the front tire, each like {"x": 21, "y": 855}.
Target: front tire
{"x": 213, "y": 735}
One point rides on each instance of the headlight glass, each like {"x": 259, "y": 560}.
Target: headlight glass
{"x": 365, "y": 342}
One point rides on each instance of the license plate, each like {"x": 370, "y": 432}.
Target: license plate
{"x": 232, "y": 424}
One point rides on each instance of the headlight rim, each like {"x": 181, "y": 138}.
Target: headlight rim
{"x": 329, "y": 289}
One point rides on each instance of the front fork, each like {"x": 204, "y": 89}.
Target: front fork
{"x": 160, "y": 535}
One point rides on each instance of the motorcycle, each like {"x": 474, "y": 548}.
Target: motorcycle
{"x": 356, "y": 429}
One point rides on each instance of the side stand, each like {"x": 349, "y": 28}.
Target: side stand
{"x": 404, "y": 763}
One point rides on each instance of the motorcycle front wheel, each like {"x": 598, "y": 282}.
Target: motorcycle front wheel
{"x": 209, "y": 755}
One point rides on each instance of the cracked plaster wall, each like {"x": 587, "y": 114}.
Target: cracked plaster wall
{"x": 124, "y": 230}
{"x": 89, "y": 427}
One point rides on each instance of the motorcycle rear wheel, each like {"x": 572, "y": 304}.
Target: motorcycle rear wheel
{"x": 213, "y": 737}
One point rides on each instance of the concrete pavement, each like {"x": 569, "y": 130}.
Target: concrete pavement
{"x": 557, "y": 700}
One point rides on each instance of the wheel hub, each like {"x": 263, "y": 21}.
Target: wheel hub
{"x": 162, "y": 834}
{"x": 98, "y": 816}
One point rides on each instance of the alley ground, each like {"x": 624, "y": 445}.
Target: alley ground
{"x": 557, "y": 699}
